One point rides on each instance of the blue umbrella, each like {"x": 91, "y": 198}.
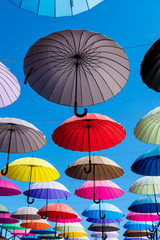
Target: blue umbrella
{"x": 29, "y": 238}
{"x": 148, "y": 163}
{"x": 146, "y": 204}
{"x": 137, "y": 225}
{"x": 94, "y": 220}
{"x": 56, "y": 8}
{"x": 42, "y": 231}
{"x": 110, "y": 211}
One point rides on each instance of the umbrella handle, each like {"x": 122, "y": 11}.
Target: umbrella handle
{"x": 29, "y": 73}
{"x": 157, "y": 211}
{"x": 78, "y": 114}
{"x": 6, "y": 171}
{"x": 94, "y": 199}
{"x": 90, "y": 168}
{"x": 29, "y": 202}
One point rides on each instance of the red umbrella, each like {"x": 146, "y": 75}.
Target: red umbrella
{"x": 93, "y": 132}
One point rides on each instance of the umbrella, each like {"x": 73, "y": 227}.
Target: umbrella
{"x": 3, "y": 209}
{"x": 79, "y": 238}
{"x": 143, "y": 216}
{"x": 103, "y": 168}
{"x": 8, "y": 188}
{"x": 99, "y": 190}
{"x": 67, "y": 235}
{"x": 9, "y": 87}
{"x": 101, "y": 227}
{"x": 26, "y": 213}
{"x": 137, "y": 225}
{"x": 108, "y": 234}
{"x": 68, "y": 227}
{"x": 29, "y": 238}
{"x": 133, "y": 233}
{"x": 15, "y": 226}
{"x": 135, "y": 238}
{"x": 150, "y": 67}
{"x": 48, "y": 236}
{"x": 32, "y": 170}
{"x": 6, "y": 218}
{"x": 55, "y": 9}
{"x": 148, "y": 163}
{"x": 94, "y": 220}
{"x": 145, "y": 204}
{"x": 76, "y": 68}
{"x": 19, "y": 136}
{"x": 147, "y": 129}
{"x": 47, "y": 190}
{"x": 42, "y": 231}
{"x": 68, "y": 220}
{"x": 110, "y": 211}
{"x": 35, "y": 224}
{"x": 22, "y": 232}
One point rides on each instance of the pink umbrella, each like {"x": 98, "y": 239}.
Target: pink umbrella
{"x": 22, "y": 232}
{"x": 143, "y": 216}
{"x": 96, "y": 190}
{"x": 8, "y": 188}
{"x": 5, "y": 218}
{"x": 59, "y": 220}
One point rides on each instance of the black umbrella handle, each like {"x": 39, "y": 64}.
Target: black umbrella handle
{"x": 94, "y": 199}
{"x": 29, "y": 73}
{"x": 28, "y": 201}
{"x": 79, "y": 114}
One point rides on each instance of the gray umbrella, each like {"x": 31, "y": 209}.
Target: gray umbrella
{"x": 19, "y": 136}
{"x": 103, "y": 227}
{"x": 26, "y": 213}
{"x": 76, "y": 68}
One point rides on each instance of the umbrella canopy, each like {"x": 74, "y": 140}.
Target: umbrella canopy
{"x": 32, "y": 169}
{"x": 56, "y": 10}
{"x": 68, "y": 227}
{"x": 22, "y": 232}
{"x": 133, "y": 233}
{"x": 9, "y": 87}
{"x": 81, "y": 233}
{"x": 101, "y": 189}
{"x": 145, "y": 204}
{"x": 103, "y": 227}
{"x": 48, "y": 236}
{"x": 94, "y": 220}
{"x": 111, "y": 211}
{"x": 29, "y": 238}
{"x": 8, "y": 188}
{"x": 103, "y": 168}
{"x": 48, "y": 190}
{"x": 148, "y": 163}
{"x": 139, "y": 226}
{"x": 3, "y": 209}
{"x": 19, "y": 136}
{"x": 68, "y": 220}
{"x": 58, "y": 210}
{"x": 6, "y": 218}
{"x": 87, "y": 69}
{"x": 42, "y": 231}
{"x": 146, "y": 185}
{"x": 26, "y": 213}
{"x": 147, "y": 129}
{"x": 14, "y": 226}
{"x": 108, "y": 234}
{"x": 150, "y": 67}
{"x": 79, "y": 238}
{"x": 135, "y": 238}
{"x": 143, "y": 217}
{"x": 35, "y": 224}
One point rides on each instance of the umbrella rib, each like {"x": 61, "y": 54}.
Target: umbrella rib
{"x": 11, "y": 77}
{"x": 2, "y": 101}
{"x": 6, "y": 91}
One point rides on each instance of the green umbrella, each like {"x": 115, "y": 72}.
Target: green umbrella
{"x": 49, "y": 236}
{"x": 68, "y": 227}
{"x": 148, "y": 128}
{"x": 14, "y": 226}
{"x": 146, "y": 185}
{"x": 3, "y": 209}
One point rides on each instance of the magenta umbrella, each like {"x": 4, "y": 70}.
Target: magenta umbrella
{"x": 22, "y": 232}
{"x": 97, "y": 190}
{"x": 147, "y": 217}
{"x": 59, "y": 220}
{"x": 5, "y": 218}
{"x": 8, "y": 188}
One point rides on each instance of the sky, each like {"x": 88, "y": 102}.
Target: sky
{"x": 131, "y": 24}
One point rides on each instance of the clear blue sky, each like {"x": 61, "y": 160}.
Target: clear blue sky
{"x": 129, "y": 23}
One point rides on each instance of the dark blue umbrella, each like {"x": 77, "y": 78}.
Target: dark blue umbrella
{"x": 148, "y": 163}
{"x": 42, "y": 231}
{"x": 146, "y": 204}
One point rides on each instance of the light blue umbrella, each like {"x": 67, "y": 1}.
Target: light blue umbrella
{"x": 145, "y": 204}
{"x": 137, "y": 225}
{"x": 109, "y": 210}
{"x": 56, "y": 8}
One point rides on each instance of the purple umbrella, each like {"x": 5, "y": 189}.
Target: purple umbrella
{"x": 94, "y": 220}
{"x": 9, "y": 87}
{"x": 5, "y": 218}
{"x": 8, "y": 188}
{"x": 108, "y": 234}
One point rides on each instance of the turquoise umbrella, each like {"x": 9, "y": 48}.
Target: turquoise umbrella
{"x": 137, "y": 225}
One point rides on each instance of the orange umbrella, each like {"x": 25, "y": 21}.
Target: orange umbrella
{"x": 35, "y": 224}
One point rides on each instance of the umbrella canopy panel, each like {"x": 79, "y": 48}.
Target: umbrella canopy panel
{"x": 8, "y": 188}
{"x": 26, "y": 213}
{"x": 35, "y": 224}
{"x": 143, "y": 217}
{"x": 137, "y": 225}
{"x": 107, "y": 234}
{"x": 94, "y": 220}
{"x": 132, "y": 233}
{"x": 98, "y": 227}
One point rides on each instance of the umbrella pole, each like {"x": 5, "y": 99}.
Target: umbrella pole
{"x": 75, "y": 103}
{"x": 30, "y": 202}
{"x": 100, "y": 212}
{"x": 89, "y": 152}
{"x": 155, "y": 200}
{"x": 46, "y": 205}
{"x": 9, "y": 146}
{"x": 94, "y": 194}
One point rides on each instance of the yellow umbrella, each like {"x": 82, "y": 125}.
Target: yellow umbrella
{"x": 32, "y": 169}
{"x": 73, "y": 234}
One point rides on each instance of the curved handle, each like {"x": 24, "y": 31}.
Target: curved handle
{"x": 6, "y": 170}
{"x": 94, "y": 199}
{"x": 157, "y": 211}
{"x": 29, "y": 73}
{"x": 29, "y": 202}
{"x": 100, "y": 215}
{"x": 78, "y": 114}
{"x": 44, "y": 217}
{"x": 90, "y": 167}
